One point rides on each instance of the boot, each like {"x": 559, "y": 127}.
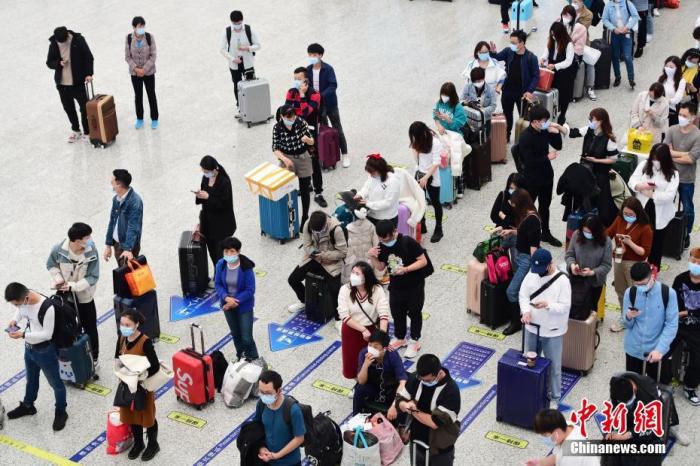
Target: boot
{"x": 515, "y": 326}
{"x": 423, "y": 227}
{"x": 437, "y": 235}
{"x": 153, "y": 448}
{"x": 138, "y": 446}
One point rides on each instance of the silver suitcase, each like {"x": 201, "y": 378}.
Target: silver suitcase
{"x": 580, "y": 82}
{"x": 550, "y": 101}
{"x": 254, "y": 101}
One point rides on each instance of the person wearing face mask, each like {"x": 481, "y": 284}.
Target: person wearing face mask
{"x": 650, "y": 112}
{"x": 577, "y": 19}
{"x": 494, "y": 76}
{"x": 427, "y": 153}
{"x": 432, "y": 400}
{"x": 74, "y": 266}
{"x": 448, "y": 113}
{"x": 690, "y": 60}
{"x": 522, "y": 75}
{"x": 306, "y": 102}
{"x": 381, "y": 191}
{"x": 674, "y": 86}
{"x": 545, "y": 300}
{"x": 40, "y": 354}
{"x": 135, "y": 343}
{"x": 70, "y": 58}
{"x": 478, "y": 94}
{"x": 684, "y": 142}
{"x": 502, "y": 214}
{"x": 655, "y": 184}
{"x": 534, "y": 145}
{"x": 632, "y": 235}
{"x": 140, "y": 55}
{"x": 552, "y": 426}
{"x": 125, "y": 219}
{"x": 235, "y": 288}
{"x": 325, "y": 245}
{"x": 559, "y": 58}
{"x": 621, "y": 17}
{"x": 589, "y": 260}
{"x": 363, "y": 308}
{"x": 238, "y": 45}
{"x": 216, "y": 219}
{"x": 291, "y": 140}
{"x": 282, "y": 421}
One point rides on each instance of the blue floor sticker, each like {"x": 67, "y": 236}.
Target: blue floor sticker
{"x": 291, "y": 385}
{"x": 477, "y": 409}
{"x": 568, "y": 381}
{"x": 464, "y": 361}
{"x": 297, "y": 331}
{"x": 190, "y": 307}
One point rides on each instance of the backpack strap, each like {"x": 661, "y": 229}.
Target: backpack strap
{"x": 129, "y": 37}
{"x": 332, "y": 234}
{"x": 248, "y": 33}
{"x": 665, "y": 292}
{"x": 287, "y": 409}
{"x": 228, "y": 38}
{"x": 45, "y": 305}
{"x": 545, "y": 286}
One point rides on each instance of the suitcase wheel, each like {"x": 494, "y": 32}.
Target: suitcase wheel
{"x": 199, "y": 407}
{"x": 249, "y": 125}
{"x": 499, "y": 419}
{"x": 282, "y": 241}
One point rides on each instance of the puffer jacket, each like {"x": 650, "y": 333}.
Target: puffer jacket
{"x": 332, "y": 254}
{"x": 362, "y": 236}
{"x": 82, "y": 276}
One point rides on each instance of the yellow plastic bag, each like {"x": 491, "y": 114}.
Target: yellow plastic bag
{"x": 639, "y": 140}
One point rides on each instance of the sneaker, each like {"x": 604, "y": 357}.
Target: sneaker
{"x": 296, "y": 307}
{"x": 320, "y": 200}
{"x": 346, "y": 160}
{"x": 639, "y": 52}
{"x": 21, "y": 411}
{"x": 59, "y": 421}
{"x": 154, "y": 124}
{"x": 680, "y": 437}
{"x": 591, "y": 94}
{"x": 657, "y": 12}
{"x": 96, "y": 364}
{"x": 686, "y": 242}
{"x": 412, "y": 350}
{"x": 238, "y": 115}
{"x": 617, "y": 82}
{"x": 75, "y": 137}
{"x": 351, "y": 394}
{"x": 397, "y": 344}
{"x": 554, "y": 404}
{"x": 139, "y": 124}
{"x": 617, "y": 326}
{"x": 548, "y": 238}
{"x": 460, "y": 195}
{"x": 632, "y": 84}
{"x": 691, "y": 396}
{"x": 506, "y": 29}
{"x": 649, "y": 38}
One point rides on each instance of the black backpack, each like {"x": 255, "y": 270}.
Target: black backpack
{"x": 129, "y": 37}
{"x": 331, "y": 234}
{"x": 248, "y": 34}
{"x": 66, "y": 327}
{"x": 249, "y": 442}
{"x": 325, "y": 446}
{"x": 218, "y": 360}
{"x": 664, "y": 295}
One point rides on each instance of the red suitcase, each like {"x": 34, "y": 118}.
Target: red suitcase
{"x": 328, "y": 147}
{"x": 194, "y": 374}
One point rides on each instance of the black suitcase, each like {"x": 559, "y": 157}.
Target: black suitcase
{"x": 121, "y": 288}
{"x": 194, "y": 268}
{"x": 666, "y": 396}
{"x": 494, "y": 304}
{"x": 320, "y": 302}
{"x": 603, "y": 65}
{"x": 476, "y": 166}
{"x": 147, "y": 305}
{"x": 676, "y": 231}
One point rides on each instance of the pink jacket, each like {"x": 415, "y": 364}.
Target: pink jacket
{"x": 579, "y": 36}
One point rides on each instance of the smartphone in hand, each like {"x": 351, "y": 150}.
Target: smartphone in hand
{"x": 12, "y": 329}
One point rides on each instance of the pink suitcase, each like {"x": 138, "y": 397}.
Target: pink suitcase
{"x": 476, "y": 273}
{"x": 328, "y": 147}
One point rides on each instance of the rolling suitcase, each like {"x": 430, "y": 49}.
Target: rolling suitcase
{"x": 580, "y": 342}
{"x": 102, "y": 118}
{"x": 580, "y": 82}
{"x": 320, "y": 303}
{"x": 403, "y": 227}
{"x": 521, "y": 391}
{"x": 278, "y": 219}
{"x": 666, "y": 396}
{"x": 75, "y": 364}
{"x": 448, "y": 190}
{"x": 476, "y": 167}
{"x": 121, "y": 287}
{"x": 147, "y": 305}
{"x": 520, "y": 13}
{"x": 194, "y": 267}
{"x": 476, "y": 273}
{"x": 498, "y": 138}
{"x": 625, "y": 165}
{"x": 494, "y": 304}
{"x": 550, "y": 101}
{"x": 676, "y": 231}
{"x": 328, "y": 147}
{"x": 194, "y": 374}
{"x": 254, "y": 101}
{"x": 603, "y": 65}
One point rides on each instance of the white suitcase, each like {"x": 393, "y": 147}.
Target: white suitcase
{"x": 254, "y": 101}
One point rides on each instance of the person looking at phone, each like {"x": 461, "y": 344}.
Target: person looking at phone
{"x": 650, "y": 315}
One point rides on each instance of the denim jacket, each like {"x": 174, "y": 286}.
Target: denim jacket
{"x": 628, "y": 13}
{"x": 488, "y": 105}
{"x": 130, "y": 215}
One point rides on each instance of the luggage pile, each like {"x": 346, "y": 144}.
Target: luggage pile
{"x": 134, "y": 289}
{"x": 488, "y": 277}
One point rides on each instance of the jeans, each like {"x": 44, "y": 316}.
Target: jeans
{"x": 150, "y": 83}
{"x": 334, "y": 116}
{"x": 522, "y": 264}
{"x": 45, "y": 360}
{"x": 508, "y": 101}
{"x": 298, "y": 275}
{"x": 118, "y": 252}
{"x": 544, "y": 194}
{"x": 551, "y": 347}
{"x": 622, "y": 44}
{"x": 407, "y": 304}
{"x": 241, "y": 326}
{"x": 67, "y": 95}
{"x": 686, "y": 192}
{"x": 88, "y": 320}
{"x": 590, "y": 75}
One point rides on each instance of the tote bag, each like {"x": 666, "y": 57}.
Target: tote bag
{"x": 139, "y": 278}
{"x": 360, "y": 449}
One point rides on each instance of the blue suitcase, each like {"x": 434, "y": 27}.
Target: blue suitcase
{"x": 520, "y": 13}
{"x": 75, "y": 363}
{"x": 279, "y": 219}
{"x": 146, "y": 305}
{"x": 522, "y": 391}
{"x": 448, "y": 192}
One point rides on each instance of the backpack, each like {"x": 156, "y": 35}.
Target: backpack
{"x": 325, "y": 446}
{"x": 66, "y": 327}
{"x": 249, "y": 442}
{"x": 498, "y": 266}
{"x": 331, "y": 235}
{"x": 306, "y": 413}
{"x": 220, "y": 364}
{"x": 240, "y": 381}
{"x": 664, "y": 295}
{"x": 248, "y": 34}
{"x": 129, "y": 36}
{"x": 580, "y": 291}
{"x": 343, "y": 215}
{"x": 428, "y": 270}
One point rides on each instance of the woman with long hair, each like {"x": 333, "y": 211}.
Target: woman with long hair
{"x": 427, "y": 150}
{"x": 674, "y": 86}
{"x": 559, "y": 57}
{"x": 380, "y": 193}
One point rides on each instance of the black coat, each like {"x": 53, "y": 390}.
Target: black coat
{"x": 81, "y": 60}
{"x": 217, "y": 219}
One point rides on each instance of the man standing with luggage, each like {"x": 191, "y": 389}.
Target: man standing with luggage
{"x": 239, "y": 44}
{"x": 70, "y": 58}
{"x": 620, "y": 19}
{"x": 322, "y": 76}
{"x": 522, "y": 75}
{"x": 40, "y": 354}
{"x": 125, "y": 219}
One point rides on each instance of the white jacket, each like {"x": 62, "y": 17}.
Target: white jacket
{"x": 411, "y": 195}
{"x": 494, "y": 72}
{"x": 229, "y": 51}
{"x": 664, "y": 194}
{"x": 382, "y": 196}
{"x": 458, "y": 150}
{"x": 554, "y": 319}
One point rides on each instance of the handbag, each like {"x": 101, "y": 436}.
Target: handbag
{"x": 580, "y": 291}
{"x": 590, "y": 55}
{"x": 123, "y": 398}
{"x": 360, "y": 448}
{"x": 484, "y": 247}
{"x": 160, "y": 378}
{"x": 390, "y": 443}
{"x": 139, "y": 278}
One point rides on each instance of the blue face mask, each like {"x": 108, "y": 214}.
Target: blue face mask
{"x": 511, "y": 191}
{"x": 296, "y": 84}
{"x": 646, "y": 287}
{"x": 545, "y": 125}
{"x": 389, "y": 244}
{"x": 126, "y": 331}
{"x": 592, "y": 124}
{"x": 514, "y": 47}
{"x": 483, "y": 56}
{"x": 313, "y": 60}
{"x": 629, "y": 219}
{"x": 587, "y": 235}
{"x": 209, "y": 174}
{"x": 140, "y": 31}
{"x": 429, "y": 384}
{"x": 547, "y": 440}
{"x": 231, "y": 259}
{"x": 288, "y": 123}
{"x": 694, "y": 269}
{"x": 268, "y": 399}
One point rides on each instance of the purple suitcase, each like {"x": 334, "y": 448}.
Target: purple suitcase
{"x": 328, "y": 147}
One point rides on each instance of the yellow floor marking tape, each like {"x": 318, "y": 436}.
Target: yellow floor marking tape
{"x": 431, "y": 215}
{"x": 97, "y": 389}
{"x": 484, "y": 332}
{"x": 426, "y": 316}
{"x": 331, "y": 387}
{"x": 612, "y": 306}
{"x": 506, "y": 439}
{"x": 489, "y": 228}
{"x": 187, "y": 419}
{"x": 169, "y": 339}
{"x": 398, "y": 165}
{"x": 259, "y": 273}
{"x": 35, "y": 452}
{"x": 453, "y": 268}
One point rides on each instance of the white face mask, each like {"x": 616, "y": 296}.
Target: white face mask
{"x": 576, "y": 6}
{"x": 683, "y": 121}
{"x": 356, "y": 280}
{"x": 566, "y": 19}
{"x": 656, "y": 164}
{"x": 669, "y": 71}
{"x": 479, "y": 85}
{"x": 444, "y": 99}
{"x": 237, "y": 27}
{"x": 373, "y": 351}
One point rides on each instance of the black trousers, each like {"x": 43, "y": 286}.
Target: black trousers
{"x": 334, "y": 116}
{"x": 68, "y": 94}
{"x": 543, "y": 196}
{"x": 508, "y": 101}
{"x": 434, "y": 195}
{"x": 150, "y": 83}
{"x": 152, "y": 432}
{"x": 635, "y": 365}
{"x": 88, "y": 320}
{"x": 505, "y": 11}
{"x": 214, "y": 248}
{"x": 444, "y": 458}
{"x": 298, "y": 275}
{"x": 657, "y": 247}
{"x": 690, "y": 334}
{"x": 642, "y": 30}
{"x": 237, "y": 77}
{"x": 317, "y": 175}
{"x": 305, "y": 194}
{"x": 407, "y": 303}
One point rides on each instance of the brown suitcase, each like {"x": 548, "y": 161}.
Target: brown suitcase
{"x": 476, "y": 273}
{"x": 102, "y": 118}
{"x": 498, "y": 138}
{"x": 580, "y": 342}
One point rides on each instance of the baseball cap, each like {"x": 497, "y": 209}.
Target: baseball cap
{"x": 540, "y": 261}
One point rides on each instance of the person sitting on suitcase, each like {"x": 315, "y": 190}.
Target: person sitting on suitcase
{"x": 551, "y": 425}
{"x": 125, "y": 219}
{"x": 40, "y": 354}
{"x": 545, "y": 301}
{"x": 479, "y": 95}
{"x": 432, "y": 400}
{"x": 325, "y": 247}
{"x": 307, "y": 105}
{"x": 381, "y": 191}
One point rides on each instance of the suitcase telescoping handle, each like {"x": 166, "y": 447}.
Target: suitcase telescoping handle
{"x": 415, "y": 444}
{"x": 537, "y": 345}
{"x": 658, "y": 368}
{"x": 201, "y": 337}
{"x": 89, "y": 90}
